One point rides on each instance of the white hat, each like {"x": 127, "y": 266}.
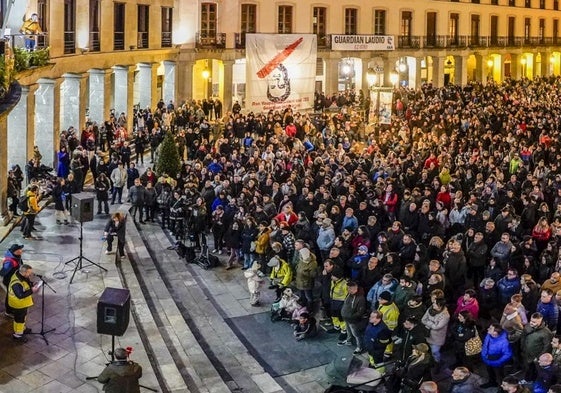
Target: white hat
{"x": 305, "y": 253}
{"x": 274, "y": 261}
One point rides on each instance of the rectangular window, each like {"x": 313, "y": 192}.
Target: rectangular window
{"x": 453, "y": 29}
{"x": 541, "y": 33}
{"x": 555, "y": 31}
{"x": 405, "y": 28}
{"x": 69, "y": 26}
{"x": 494, "y": 29}
{"x": 208, "y": 21}
{"x": 542, "y": 4}
{"x": 95, "y": 17}
{"x": 528, "y": 3}
{"x": 494, "y": 2}
{"x": 527, "y": 27}
{"x": 431, "y": 28}
{"x": 119, "y": 26}
{"x": 285, "y": 19}
{"x": 351, "y": 21}
{"x": 380, "y": 22}
{"x": 511, "y": 34}
{"x": 556, "y": 5}
{"x": 475, "y": 1}
{"x": 143, "y": 26}
{"x": 319, "y": 25}
{"x": 512, "y": 3}
{"x": 43, "y": 14}
{"x": 249, "y": 18}
{"x": 167, "y": 26}
{"x": 475, "y": 30}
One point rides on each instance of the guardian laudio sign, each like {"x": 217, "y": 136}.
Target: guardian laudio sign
{"x": 362, "y": 42}
{"x": 281, "y": 71}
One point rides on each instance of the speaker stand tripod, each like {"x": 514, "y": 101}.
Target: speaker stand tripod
{"x": 43, "y": 332}
{"x": 78, "y": 260}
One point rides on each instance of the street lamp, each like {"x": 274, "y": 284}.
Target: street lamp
{"x": 206, "y": 77}
{"x": 490, "y": 64}
{"x": 394, "y": 78}
{"x": 523, "y": 61}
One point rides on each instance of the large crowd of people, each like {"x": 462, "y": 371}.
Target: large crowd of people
{"x": 442, "y": 229}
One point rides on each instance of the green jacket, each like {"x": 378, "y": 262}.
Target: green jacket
{"x": 535, "y": 341}
{"x": 306, "y": 273}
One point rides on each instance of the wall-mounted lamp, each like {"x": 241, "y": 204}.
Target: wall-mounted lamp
{"x": 490, "y": 63}
{"x": 84, "y": 50}
{"x": 523, "y": 61}
{"x": 394, "y": 77}
{"x": 552, "y": 59}
{"x": 402, "y": 67}
{"x": 206, "y": 73}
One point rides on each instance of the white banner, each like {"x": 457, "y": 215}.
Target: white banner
{"x": 362, "y": 42}
{"x": 280, "y": 71}
{"x": 385, "y": 112}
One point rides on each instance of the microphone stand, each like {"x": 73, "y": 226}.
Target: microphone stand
{"x": 43, "y": 332}
{"x": 79, "y": 258}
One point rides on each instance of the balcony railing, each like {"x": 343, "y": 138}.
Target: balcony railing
{"x": 142, "y": 40}
{"x": 95, "y": 45}
{"x": 119, "y": 40}
{"x": 203, "y": 41}
{"x": 239, "y": 40}
{"x": 18, "y": 40}
{"x": 166, "y": 39}
{"x": 69, "y": 42}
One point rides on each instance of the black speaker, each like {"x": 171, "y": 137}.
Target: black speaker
{"x": 83, "y": 207}
{"x": 113, "y": 311}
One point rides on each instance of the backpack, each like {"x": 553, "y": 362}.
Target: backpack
{"x": 23, "y": 203}
{"x": 9, "y": 267}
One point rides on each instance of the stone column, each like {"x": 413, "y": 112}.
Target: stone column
{"x": 418, "y": 73}
{"x": 96, "y": 95}
{"x": 130, "y": 97}
{"x": 45, "y": 119}
{"x": 331, "y": 73}
{"x": 83, "y": 99}
{"x": 70, "y": 102}
{"x": 31, "y": 108}
{"x": 170, "y": 83}
{"x": 154, "y": 96}
{"x": 143, "y": 85}
{"x": 228, "y": 81}
{"x": 515, "y": 66}
{"x": 185, "y": 82}
{"x": 461, "y": 70}
{"x": 120, "y": 89}
{"x": 438, "y": 71}
{"x": 17, "y": 139}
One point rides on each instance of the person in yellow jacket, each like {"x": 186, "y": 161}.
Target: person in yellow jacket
{"x": 281, "y": 275}
{"x": 19, "y": 299}
{"x": 31, "y": 27}
{"x": 390, "y": 316}
{"x": 31, "y": 211}
{"x": 338, "y": 294}
{"x": 262, "y": 242}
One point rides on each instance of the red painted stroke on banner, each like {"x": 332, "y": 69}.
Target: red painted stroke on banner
{"x": 279, "y": 58}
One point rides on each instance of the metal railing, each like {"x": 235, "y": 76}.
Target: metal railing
{"x": 239, "y": 40}
{"x": 166, "y": 39}
{"x": 18, "y": 40}
{"x": 95, "y": 45}
{"x": 203, "y": 41}
{"x": 142, "y": 40}
{"x": 69, "y": 42}
{"x": 119, "y": 40}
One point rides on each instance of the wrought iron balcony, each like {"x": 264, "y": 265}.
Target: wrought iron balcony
{"x": 69, "y": 42}
{"x": 166, "y": 39}
{"x": 18, "y": 40}
{"x": 239, "y": 40}
{"x": 95, "y": 45}
{"x": 203, "y": 41}
{"x": 142, "y": 40}
{"x": 119, "y": 40}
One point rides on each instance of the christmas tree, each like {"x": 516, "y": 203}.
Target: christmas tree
{"x": 168, "y": 159}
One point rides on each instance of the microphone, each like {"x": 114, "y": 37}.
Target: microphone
{"x": 37, "y": 275}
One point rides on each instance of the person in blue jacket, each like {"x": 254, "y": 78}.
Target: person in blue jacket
{"x": 496, "y": 352}
{"x": 508, "y": 286}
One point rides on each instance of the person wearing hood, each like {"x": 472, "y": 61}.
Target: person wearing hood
{"x": 386, "y": 283}
{"x": 496, "y": 352}
{"x": 281, "y": 275}
{"x": 11, "y": 263}
{"x": 254, "y": 279}
{"x": 305, "y": 275}
{"x": 464, "y": 381}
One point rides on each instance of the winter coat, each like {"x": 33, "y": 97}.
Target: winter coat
{"x": 468, "y": 385}
{"x": 534, "y": 342}
{"x": 262, "y": 242}
{"x": 376, "y": 339}
{"x": 390, "y": 315}
{"x": 402, "y": 296}
{"x": 254, "y": 280}
{"x": 356, "y": 264}
{"x": 306, "y": 273}
{"x": 477, "y": 254}
{"x": 326, "y": 237}
{"x": 455, "y": 269}
{"x": 472, "y": 307}
{"x": 377, "y": 289}
{"x": 354, "y": 308}
{"x": 282, "y": 274}
{"x": 437, "y": 325}
{"x": 233, "y": 238}
{"x": 508, "y": 287}
{"x": 249, "y": 234}
{"x": 550, "y": 313}
{"x": 496, "y": 351}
